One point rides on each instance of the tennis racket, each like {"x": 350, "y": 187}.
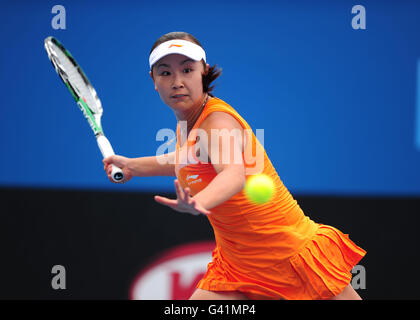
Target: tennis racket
{"x": 85, "y": 95}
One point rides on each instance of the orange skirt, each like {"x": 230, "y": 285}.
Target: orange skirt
{"x": 321, "y": 270}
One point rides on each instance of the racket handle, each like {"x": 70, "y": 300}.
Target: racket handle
{"x": 106, "y": 149}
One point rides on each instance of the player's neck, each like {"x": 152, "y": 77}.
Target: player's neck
{"x": 192, "y": 115}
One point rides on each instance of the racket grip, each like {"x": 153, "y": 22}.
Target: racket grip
{"x": 106, "y": 149}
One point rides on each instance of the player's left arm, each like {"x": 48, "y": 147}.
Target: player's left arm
{"x": 225, "y": 146}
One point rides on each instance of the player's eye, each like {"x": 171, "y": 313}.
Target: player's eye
{"x": 165, "y": 73}
{"x": 187, "y": 70}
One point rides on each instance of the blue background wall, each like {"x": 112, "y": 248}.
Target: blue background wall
{"x": 338, "y": 105}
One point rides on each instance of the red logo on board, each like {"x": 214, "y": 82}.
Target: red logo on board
{"x": 175, "y": 274}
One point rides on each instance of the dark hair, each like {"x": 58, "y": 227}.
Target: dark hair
{"x": 214, "y": 71}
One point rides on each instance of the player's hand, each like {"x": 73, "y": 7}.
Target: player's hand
{"x": 184, "y": 202}
{"x": 122, "y": 163}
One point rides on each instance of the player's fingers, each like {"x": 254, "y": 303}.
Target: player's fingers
{"x": 119, "y": 161}
{"x": 199, "y": 208}
{"x": 205, "y": 211}
{"x": 187, "y": 194}
{"x": 107, "y": 160}
{"x": 179, "y": 192}
{"x": 165, "y": 201}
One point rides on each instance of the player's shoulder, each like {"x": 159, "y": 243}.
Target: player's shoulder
{"x": 220, "y": 120}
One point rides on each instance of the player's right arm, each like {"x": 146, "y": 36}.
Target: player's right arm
{"x": 162, "y": 165}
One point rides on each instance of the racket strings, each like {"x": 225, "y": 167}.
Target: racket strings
{"x": 72, "y": 74}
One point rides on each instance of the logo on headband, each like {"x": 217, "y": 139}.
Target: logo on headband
{"x": 175, "y": 45}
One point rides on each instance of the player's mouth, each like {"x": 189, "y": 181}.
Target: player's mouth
{"x": 179, "y": 96}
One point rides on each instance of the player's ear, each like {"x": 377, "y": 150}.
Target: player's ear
{"x": 151, "y": 76}
{"x": 206, "y": 69}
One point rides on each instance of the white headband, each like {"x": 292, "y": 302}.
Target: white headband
{"x": 184, "y": 47}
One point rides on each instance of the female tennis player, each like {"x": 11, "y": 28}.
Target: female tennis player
{"x": 268, "y": 251}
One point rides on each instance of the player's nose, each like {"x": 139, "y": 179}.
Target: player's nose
{"x": 177, "y": 82}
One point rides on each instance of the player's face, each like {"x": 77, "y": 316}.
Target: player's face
{"x": 178, "y": 79}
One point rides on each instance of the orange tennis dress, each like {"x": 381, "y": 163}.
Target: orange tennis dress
{"x": 269, "y": 251}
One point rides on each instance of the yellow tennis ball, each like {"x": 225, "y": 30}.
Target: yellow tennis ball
{"x": 259, "y": 188}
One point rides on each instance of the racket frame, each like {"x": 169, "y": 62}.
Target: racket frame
{"x": 93, "y": 118}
